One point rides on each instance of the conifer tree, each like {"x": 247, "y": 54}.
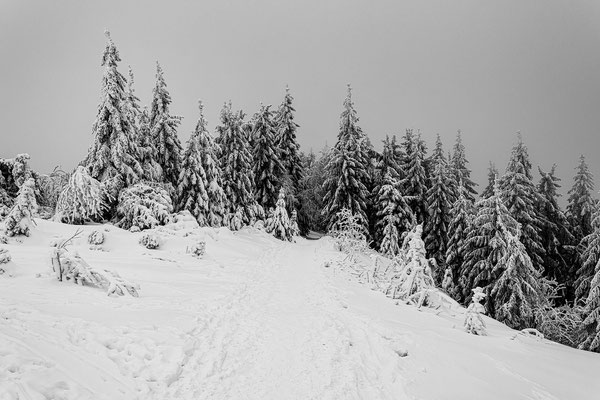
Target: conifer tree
{"x": 394, "y": 216}
{"x": 481, "y": 250}
{"x": 440, "y": 198}
{"x": 492, "y": 175}
{"x": 114, "y": 153}
{"x": 133, "y": 102}
{"x": 590, "y": 257}
{"x": 285, "y": 128}
{"x": 152, "y": 171}
{"x": 458, "y": 229}
{"x": 458, "y": 164}
{"x": 279, "y": 224}
{"x": 414, "y": 184}
{"x": 268, "y": 167}
{"x": 20, "y": 218}
{"x": 580, "y": 206}
{"x": 347, "y": 176}
{"x": 521, "y": 198}
{"x": 591, "y": 322}
{"x": 163, "y": 130}
{"x": 200, "y": 188}
{"x": 236, "y": 168}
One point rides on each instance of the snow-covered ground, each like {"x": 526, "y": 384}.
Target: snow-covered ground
{"x": 255, "y": 318}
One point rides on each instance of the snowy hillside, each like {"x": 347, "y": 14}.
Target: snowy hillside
{"x": 255, "y": 318}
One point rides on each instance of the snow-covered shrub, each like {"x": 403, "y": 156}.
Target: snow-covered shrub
{"x": 279, "y": 224}
{"x": 70, "y": 266}
{"x": 294, "y": 229}
{"x": 235, "y": 221}
{"x": 4, "y": 257}
{"x": 182, "y": 221}
{"x": 447, "y": 282}
{"x": 95, "y": 238}
{"x": 20, "y": 218}
{"x": 3, "y": 239}
{"x": 50, "y": 187}
{"x": 150, "y": 241}
{"x": 412, "y": 278}
{"x": 474, "y": 322}
{"x": 143, "y": 206}
{"x": 82, "y": 200}
{"x": 349, "y": 233}
{"x": 135, "y": 229}
{"x": 561, "y": 324}
{"x": 198, "y": 249}
{"x": 6, "y": 265}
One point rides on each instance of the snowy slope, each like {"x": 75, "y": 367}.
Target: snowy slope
{"x": 256, "y": 318}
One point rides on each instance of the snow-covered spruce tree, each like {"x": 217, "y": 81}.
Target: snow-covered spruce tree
{"x": 133, "y": 102}
{"x": 143, "y": 206}
{"x": 236, "y": 168}
{"x": 114, "y": 154}
{"x": 200, "y": 188}
{"x": 580, "y": 207}
{"x": 20, "y": 218}
{"x": 440, "y": 197}
{"x": 412, "y": 278}
{"x": 591, "y": 323}
{"x": 163, "y": 130}
{"x": 488, "y": 191}
{"x": 481, "y": 248}
{"x": 458, "y": 163}
{"x": 279, "y": 224}
{"x": 285, "y": 129}
{"x": 557, "y": 240}
{"x": 414, "y": 184}
{"x": 589, "y": 258}
{"x": 474, "y": 322}
{"x": 518, "y": 292}
{"x": 458, "y": 228}
{"x": 268, "y": 167}
{"x": 347, "y": 180}
{"x": 521, "y": 198}
{"x": 294, "y": 229}
{"x": 82, "y": 200}
{"x": 394, "y": 216}
{"x": 152, "y": 171}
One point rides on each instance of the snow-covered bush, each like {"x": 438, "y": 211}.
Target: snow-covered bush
{"x": 182, "y": 221}
{"x": 447, "y": 282}
{"x": 70, "y": 266}
{"x": 349, "y": 233}
{"x": 235, "y": 221}
{"x": 4, "y": 260}
{"x": 50, "y": 187}
{"x": 294, "y": 229}
{"x": 412, "y": 278}
{"x": 95, "y": 238}
{"x": 150, "y": 241}
{"x": 3, "y": 239}
{"x": 197, "y": 249}
{"x": 20, "y": 218}
{"x": 279, "y": 224}
{"x": 561, "y": 324}
{"x": 82, "y": 200}
{"x": 135, "y": 229}
{"x": 143, "y": 206}
{"x": 474, "y": 322}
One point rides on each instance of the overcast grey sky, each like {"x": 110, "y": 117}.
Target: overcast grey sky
{"x": 489, "y": 68}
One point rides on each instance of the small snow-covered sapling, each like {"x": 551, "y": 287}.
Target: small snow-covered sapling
{"x": 474, "y": 322}
{"x": 150, "y": 241}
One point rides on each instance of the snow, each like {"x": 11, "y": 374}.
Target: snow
{"x": 254, "y": 318}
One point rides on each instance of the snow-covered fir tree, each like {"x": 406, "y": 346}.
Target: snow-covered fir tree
{"x": 200, "y": 188}
{"x": 591, "y": 322}
{"x": 163, "y": 131}
{"x": 20, "y": 218}
{"x": 521, "y": 198}
{"x": 474, "y": 322}
{"x": 480, "y": 249}
{"x": 414, "y": 183}
{"x": 518, "y": 292}
{"x": 488, "y": 191}
{"x": 133, "y": 102}
{"x": 144, "y": 207}
{"x": 279, "y": 223}
{"x": 294, "y": 229}
{"x": 580, "y": 207}
{"x": 557, "y": 239}
{"x": 82, "y": 200}
{"x": 114, "y": 153}
{"x": 285, "y": 128}
{"x": 439, "y": 200}
{"x": 268, "y": 167}
{"x": 458, "y": 163}
{"x": 347, "y": 180}
{"x": 236, "y": 168}
{"x": 458, "y": 229}
{"x": 589, "y": 258}
{"x": 394, "y": 216}
{"x": 152, "y": 171}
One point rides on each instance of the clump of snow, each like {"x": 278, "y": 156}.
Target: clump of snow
{"x": 182, "y": 221}
{"x": 95, "y": 238}
{"x": 198, "y": 249}
{"x": 474, "y": 322}
{"x": 150, "y": 241}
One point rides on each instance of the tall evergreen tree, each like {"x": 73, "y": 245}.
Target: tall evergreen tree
{"x": 285, "y": 128}
{"x": 200, "y": 188}
{"x": 163, "y": 130}
{"x": 460, "y": 223}
{"x": 268, "y": 167}
{"x": 414, "y": 184}
{"x": 521, "y": 198}
{"x": 580, "y": 207}
{"x": 347, "y": 176}
{"x": 590, "y": 257}
{"x": 481, "y": 249}
{"x": 113, "y": 154}
{"x": 440, "y": 198}
{"x": 492, "y": 176}
{"x": 236, "y": 166}
{"x": 591, "y": 286}
{"x": 458, "y": 164}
